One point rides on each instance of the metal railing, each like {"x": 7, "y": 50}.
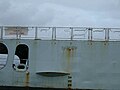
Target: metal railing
{"x": 60, "y": 33}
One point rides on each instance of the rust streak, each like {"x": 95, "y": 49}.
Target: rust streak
{"x": 69, "y": 52}
{"x": 27, "y": 79}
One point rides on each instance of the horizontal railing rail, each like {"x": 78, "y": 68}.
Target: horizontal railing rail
{"x": 60, "y": 33}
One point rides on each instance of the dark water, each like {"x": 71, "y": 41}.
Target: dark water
{"x": 29, "y": 88}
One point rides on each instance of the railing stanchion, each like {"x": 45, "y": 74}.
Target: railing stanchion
{"x": 36, "y": 31}
{"x": 1, "y": 33}
{"x": 71, "y": 33}
{"x": 90, "y": 34}
{"x": 107, "y": 34}
{"x": 17, "y": 33}
{"x": 20, "y": 34}
{"x": 53, "y": 33}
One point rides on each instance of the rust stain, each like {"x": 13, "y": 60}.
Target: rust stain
{"x": 53, "y": 42}
{"x": 27, "y": 79}
{"x": 105, "y": 43}
{"x": 90, "y": 43}
{"x": 69, "y": 52}
{"x": 69, "y": 55}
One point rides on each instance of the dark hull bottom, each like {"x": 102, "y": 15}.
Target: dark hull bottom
{"x": 27, "y": 88}
{"x": 34, "y": 88}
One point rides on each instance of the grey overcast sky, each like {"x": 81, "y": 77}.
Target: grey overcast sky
{"x": 90, "y": 13}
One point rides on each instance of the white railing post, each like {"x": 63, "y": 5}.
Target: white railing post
{"x": 53, "y": 33}
{"x": 90, "y": 34}
{"x": 1, "y": 33}
{"x": 17, "y": 33}
{"x": 36, "y": 31}
{"x": 107, "y": 34}
{"x": 71, "y": 33}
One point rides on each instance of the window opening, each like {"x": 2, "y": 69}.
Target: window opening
{"x": 3, "y": 55}
{"x": 21, "y": 58}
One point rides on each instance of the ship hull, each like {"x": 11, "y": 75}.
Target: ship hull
{"x": 63, "y": 64}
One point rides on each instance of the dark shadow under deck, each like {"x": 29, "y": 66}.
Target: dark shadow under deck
{"x": 37, "y": 88}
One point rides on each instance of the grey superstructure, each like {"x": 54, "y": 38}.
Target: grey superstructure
{"x": 59, "y": 57}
